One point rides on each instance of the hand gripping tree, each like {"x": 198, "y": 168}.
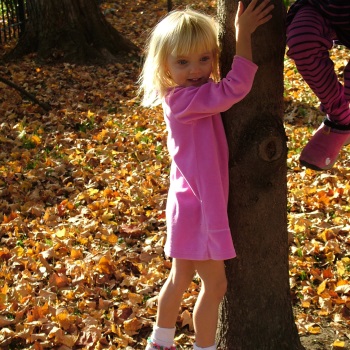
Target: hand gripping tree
{"x": 256, "y": 313}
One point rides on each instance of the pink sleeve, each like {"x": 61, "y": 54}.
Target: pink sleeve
{"x": 189, "y": 104}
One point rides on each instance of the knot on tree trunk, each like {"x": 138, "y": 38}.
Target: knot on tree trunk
{"x": 270, "y": 149}
{"x": 260, "y": 142}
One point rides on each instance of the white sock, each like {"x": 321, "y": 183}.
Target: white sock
{"x": 163, "y": 336}
{"x": 196, "y": 347}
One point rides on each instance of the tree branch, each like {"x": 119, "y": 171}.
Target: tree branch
{"x": 43, "y": 105}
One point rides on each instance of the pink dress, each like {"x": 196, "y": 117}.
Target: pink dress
{"x": 197, "y": 221}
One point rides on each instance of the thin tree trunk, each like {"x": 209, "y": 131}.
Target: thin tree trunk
{"x": 257, "y": 313}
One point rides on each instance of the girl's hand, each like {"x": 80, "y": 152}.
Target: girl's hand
{"x": 248, "y": 20}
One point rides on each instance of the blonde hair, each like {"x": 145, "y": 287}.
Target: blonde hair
{"x": 180, "y": 33}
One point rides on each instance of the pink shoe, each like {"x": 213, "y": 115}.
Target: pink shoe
{"x": 322, "y": 151}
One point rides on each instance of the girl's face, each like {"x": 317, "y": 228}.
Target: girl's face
{"x": 191, "y": 70}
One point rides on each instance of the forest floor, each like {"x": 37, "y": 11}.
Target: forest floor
{"x": 82, "y": 198}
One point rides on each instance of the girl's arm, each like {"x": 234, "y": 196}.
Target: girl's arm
{"x": 188, "y": 104}
{"x": 246, "y": 23}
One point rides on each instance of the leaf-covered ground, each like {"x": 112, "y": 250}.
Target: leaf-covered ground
{"x": 82, "y": 198}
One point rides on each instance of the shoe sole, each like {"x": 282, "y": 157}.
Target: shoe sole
{"x": 314, "y": 167}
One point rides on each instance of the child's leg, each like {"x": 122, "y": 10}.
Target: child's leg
{"x": 213, "y": 289}
{"x": 181, "y": 275}
{"x": 310, "y": 38}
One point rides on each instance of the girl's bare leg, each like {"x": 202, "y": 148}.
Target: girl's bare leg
{"x": 213, "y": 289}
{"x": 181, "y": 275}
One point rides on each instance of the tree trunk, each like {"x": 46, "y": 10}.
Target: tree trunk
{"x": 257, "y": 313}
{"x": 71, "y": 31}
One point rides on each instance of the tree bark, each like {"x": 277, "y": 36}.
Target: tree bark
{"x": 71, "y": 31}
{"x": 257, "y": 313}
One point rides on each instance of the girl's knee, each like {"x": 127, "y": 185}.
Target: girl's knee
{"x": 180, "y": 280}
{"x": 217, "y": 289}
{"x": 174, "y": 287}
{"x": 181, "y": 283}
{"x": 222, "y": 288}
{"x": 213, "y": 277}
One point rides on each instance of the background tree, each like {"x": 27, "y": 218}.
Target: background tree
{"x": 257, "y": 312}
{"x": 73, "y": 31}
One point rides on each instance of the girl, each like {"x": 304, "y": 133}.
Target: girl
{"x": 181, "y": 72}
{"x": 312, "y": 27}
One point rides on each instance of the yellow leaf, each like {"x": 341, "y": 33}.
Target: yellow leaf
{"x": 106, "y": 217}
{"x": 109, "y": 124}
{"x": 92, "y": 191}
{"x": 105, "y": 265}
{"x": 138, "y": 136}
{"x": 36, "y": 139}
{"x": 61, "y": 233}
{"x": 135, "y": 298}
{"x": 112, "y": 238}
{"x": 132, "y": 326}
{"x": 341, "y": 269}
{"x": 321, "y": 287}
{"x": 338, "y": 344}
{"x": 5, "y": 289}
{"x": 330, "y": 256}
{"x": 114, "y": 328}
{"x": 63, "y": 318}
{"x": 314, "y": 329}
{"x": 323, "y": 312}
{"x": 76, "y": 254}
{"x": 101, "y": 135}
{"x": 69, "y": 294}
{"x": 305, "y": 304}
